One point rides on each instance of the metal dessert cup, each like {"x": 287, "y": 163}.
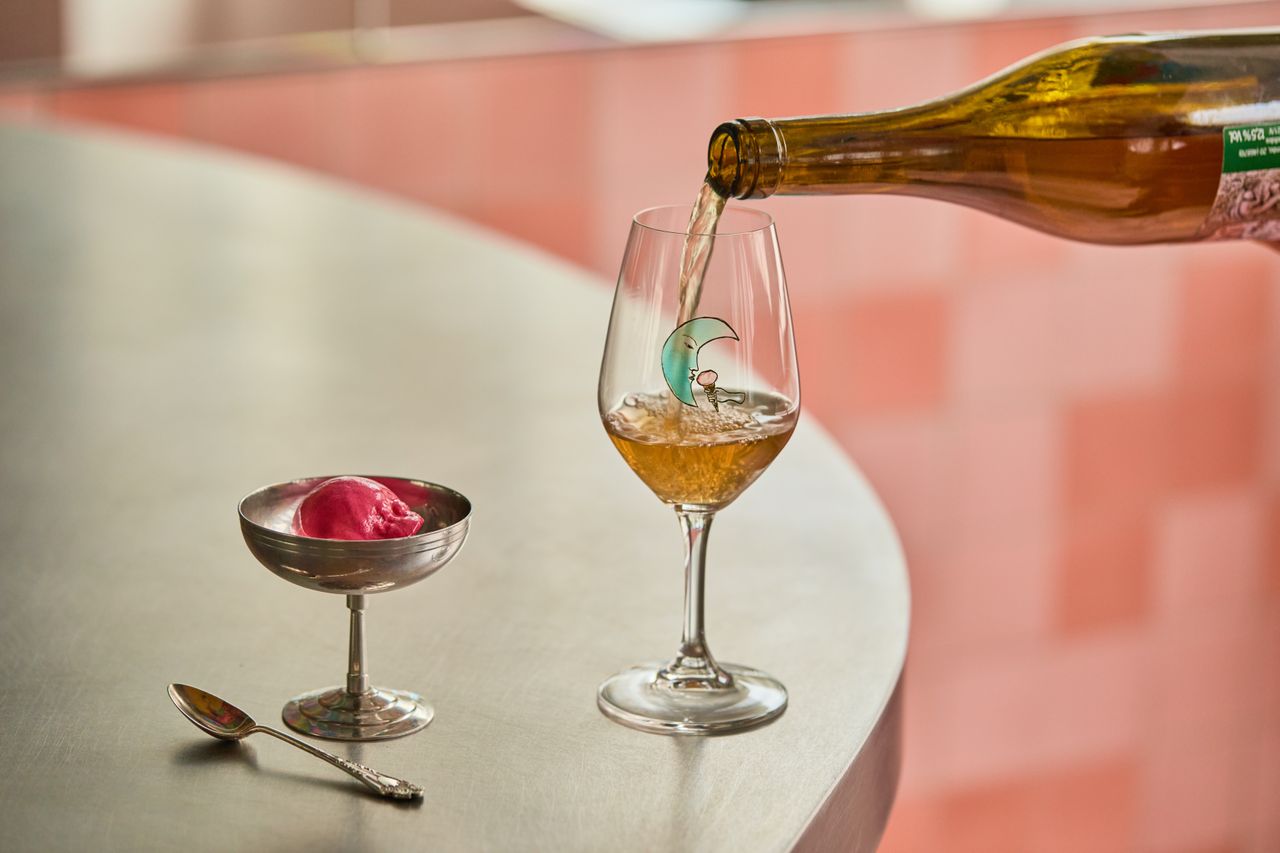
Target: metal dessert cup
{"x": 355, "y": 569}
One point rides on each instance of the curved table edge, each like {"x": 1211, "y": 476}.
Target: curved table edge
{"x": 856, "y": 811}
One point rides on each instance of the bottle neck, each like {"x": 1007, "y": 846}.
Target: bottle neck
{"x": 868, "y": 152}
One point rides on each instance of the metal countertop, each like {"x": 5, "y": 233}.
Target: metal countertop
{"x": 181, "y": 327}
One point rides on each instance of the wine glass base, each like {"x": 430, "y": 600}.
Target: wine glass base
{"x": 335, "y": 714}
{"x": 635, "y": 698}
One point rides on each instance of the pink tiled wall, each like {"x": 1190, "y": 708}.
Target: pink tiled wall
{"x": 1080, "y": 445}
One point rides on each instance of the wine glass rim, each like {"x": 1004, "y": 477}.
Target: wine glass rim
{"x": 764, "y": 222}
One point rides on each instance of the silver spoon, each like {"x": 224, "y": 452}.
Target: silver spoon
{"x": 227, "y": 722}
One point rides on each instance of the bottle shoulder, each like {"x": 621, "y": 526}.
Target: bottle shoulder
{"x": 1154, "y": 85}
{"x": 1123, "y": 86}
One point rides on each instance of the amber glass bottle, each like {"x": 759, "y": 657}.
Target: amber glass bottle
{"x": 1126, "y": 139}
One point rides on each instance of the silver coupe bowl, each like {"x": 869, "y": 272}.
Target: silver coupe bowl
{"x": 354, "y": 567}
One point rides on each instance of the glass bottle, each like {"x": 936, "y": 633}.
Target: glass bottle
{"x": 1124, "y": 139}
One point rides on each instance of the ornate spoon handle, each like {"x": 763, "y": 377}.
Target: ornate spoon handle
{"x": 387, "y": 786}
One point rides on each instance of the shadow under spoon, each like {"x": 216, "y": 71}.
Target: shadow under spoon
{"x": 225, "y": 721}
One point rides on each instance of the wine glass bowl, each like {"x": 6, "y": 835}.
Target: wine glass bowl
{"x": 698, "y": 392}
{"x": 356, "y": 710}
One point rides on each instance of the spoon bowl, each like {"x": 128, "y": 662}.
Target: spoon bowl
{"x": 212, "y": 715}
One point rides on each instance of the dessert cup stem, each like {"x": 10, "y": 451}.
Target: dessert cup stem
{"x": 357, "y": 677}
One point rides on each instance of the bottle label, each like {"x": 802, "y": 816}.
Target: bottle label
{"x": 1247, "y": 206}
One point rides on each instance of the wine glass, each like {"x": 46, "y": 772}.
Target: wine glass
{"x": 699, "y": 392}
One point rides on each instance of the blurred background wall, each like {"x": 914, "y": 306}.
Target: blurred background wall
{"x": 1080, "y": 445}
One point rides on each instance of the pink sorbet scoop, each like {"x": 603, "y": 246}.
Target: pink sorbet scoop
{"x": 354, "y": 508}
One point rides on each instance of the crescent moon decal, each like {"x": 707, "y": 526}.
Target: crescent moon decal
{"x": 680, "y": 353}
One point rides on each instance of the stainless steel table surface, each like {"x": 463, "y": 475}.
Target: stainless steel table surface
{"x": 181, "y": 326}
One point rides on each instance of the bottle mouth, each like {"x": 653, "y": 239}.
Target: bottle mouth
{"x": 724, "y": 167}
{"x": 744, "y": 158}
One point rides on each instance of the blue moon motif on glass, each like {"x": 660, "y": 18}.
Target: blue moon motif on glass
{"x": 680, "y": 353}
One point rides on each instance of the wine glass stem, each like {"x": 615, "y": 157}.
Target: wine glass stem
{"x": 694, "y": 667}
{"x": 357, "y": 678}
